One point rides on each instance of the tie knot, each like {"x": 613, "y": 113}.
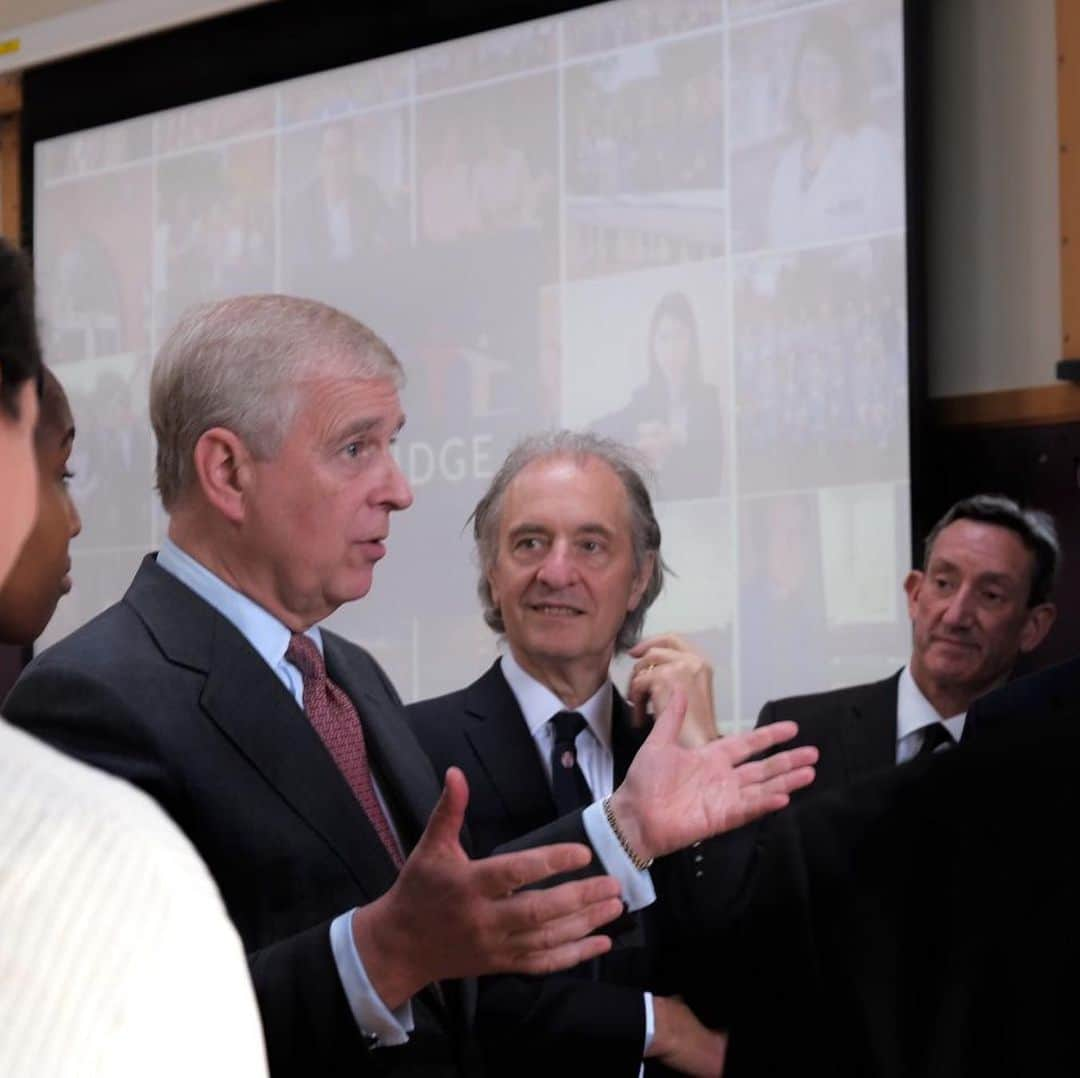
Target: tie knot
{"x": 567, "y": 725}
{"x": 934, "y": 736}
{"x": 305, "y": 656}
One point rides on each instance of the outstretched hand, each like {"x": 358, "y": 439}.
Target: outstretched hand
{"x": 450, "y": 916}
{"x": 673, "y": 796}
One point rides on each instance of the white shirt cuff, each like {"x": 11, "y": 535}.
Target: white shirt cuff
{"x": 636, "y": 884}
{"x": 650, "y": 1023}
{"x": 372, "y": 1016}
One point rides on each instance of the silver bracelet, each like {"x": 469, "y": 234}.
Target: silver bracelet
{"x": 639, "y": 862}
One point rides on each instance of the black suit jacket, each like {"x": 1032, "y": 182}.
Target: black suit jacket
{"x": 1051, "y": 694}
{"x": 162, "y": 690}
{"x": 593, "y": 1021}
{"x": 854, "y": 730}
{"x": 921, "y": 920}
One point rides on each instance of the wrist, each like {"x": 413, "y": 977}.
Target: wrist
{"x": 393, "y": 970}
{"x": 622, "y": 817}
{"x": 663, "y": 1013}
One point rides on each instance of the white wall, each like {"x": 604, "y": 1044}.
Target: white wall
{"x": 994, "y": 277}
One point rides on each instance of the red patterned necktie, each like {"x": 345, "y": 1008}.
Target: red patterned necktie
{"x": 337, "y": 723}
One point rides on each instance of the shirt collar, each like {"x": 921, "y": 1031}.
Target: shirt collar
{"x": 914, "y": 711}
{"x": 538, "y": 703}
{"x": 268, "y": 636}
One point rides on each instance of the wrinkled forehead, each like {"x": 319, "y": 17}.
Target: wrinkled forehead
{"x": 982, "y": 548}
{"x": 571, "y": 490}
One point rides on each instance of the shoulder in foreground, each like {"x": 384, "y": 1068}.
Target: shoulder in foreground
{"x": 1051, "y": 689}
{"x": 75, "y": 799}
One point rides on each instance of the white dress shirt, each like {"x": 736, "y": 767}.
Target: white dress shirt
{"x": 914, "y": 713}
{"x": 595, "y": 758}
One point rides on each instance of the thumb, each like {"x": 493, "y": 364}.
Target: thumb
{"x": 448, "y": 816}
{"x": 669, "y": 722}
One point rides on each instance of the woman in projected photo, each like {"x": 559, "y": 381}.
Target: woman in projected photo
{"x": 675, "y": 418}
{"x": 840, "y": 175}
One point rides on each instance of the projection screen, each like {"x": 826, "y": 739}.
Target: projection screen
{"x": 679, "y": 223}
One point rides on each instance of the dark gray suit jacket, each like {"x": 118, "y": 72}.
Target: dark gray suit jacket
{"x": 162, "y": 690}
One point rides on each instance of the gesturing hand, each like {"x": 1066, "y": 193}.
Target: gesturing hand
{"x": 449, "y": 916}
{"x": 673, "y": 796}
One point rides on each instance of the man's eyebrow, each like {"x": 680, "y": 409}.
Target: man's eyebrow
{"x": 526, "y": 527}
{"x": 358, "y": 428}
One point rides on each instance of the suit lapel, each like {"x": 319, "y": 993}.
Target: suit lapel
{"x": 869, "y": 740}
{"x": 252, "y": 708}
{"x": 499, "y": 736}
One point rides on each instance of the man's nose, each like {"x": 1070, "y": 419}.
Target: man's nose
{"x": 557, "y": 570}
{"x": 398, "y": 493}
{"x": 961, "y": 607}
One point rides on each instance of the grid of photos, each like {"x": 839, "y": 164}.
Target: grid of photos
{"x": 679, "y": 224}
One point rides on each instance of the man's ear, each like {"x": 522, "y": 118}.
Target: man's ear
{"x": 1039, "y": 621}
{"x": 913, "y": 583}
{"x": 223, "y": 470}
{"x": 642, "y": 581}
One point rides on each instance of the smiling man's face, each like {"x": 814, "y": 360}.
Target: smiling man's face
{"x": 564, "y": 575}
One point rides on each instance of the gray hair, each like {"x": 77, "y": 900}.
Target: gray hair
{"x": 644, "y": 528}
{"x": 239, "y": 363}
{"x": 1035, "y": 529}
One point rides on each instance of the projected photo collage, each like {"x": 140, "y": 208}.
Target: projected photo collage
{"x": 680, "y": 225}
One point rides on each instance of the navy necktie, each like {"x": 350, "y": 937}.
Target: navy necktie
{"x": 935, "y": 736}
{"x": 568, "y": 786}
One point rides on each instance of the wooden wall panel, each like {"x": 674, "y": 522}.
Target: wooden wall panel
{"x": 1068, "y": 52}
{"x": 10, "y": 108}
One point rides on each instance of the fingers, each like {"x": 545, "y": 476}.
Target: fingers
{"x": 509, "y": 872}
{"x": 661, "y": 640}
{"x": 564, "y": 957}
{"x": 739, "y": 747}
{"x": 668, "y": 723}
{"x": 760, "y": 771}
{"x": 539, "y": 932}
{"x": 448, "y": 817}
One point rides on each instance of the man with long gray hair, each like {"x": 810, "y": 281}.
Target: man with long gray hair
{"x": 569, "y": 552}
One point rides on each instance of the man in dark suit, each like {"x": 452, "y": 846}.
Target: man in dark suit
{"x": 569, "y": 549}
{"x": 282, "y": 750}
{"x": 981, "y": 600}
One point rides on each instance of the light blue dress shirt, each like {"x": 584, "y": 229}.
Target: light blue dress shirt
{"x": 270, "y": 638}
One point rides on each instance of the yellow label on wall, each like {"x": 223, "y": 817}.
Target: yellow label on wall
{"x": 11, "y": 45}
